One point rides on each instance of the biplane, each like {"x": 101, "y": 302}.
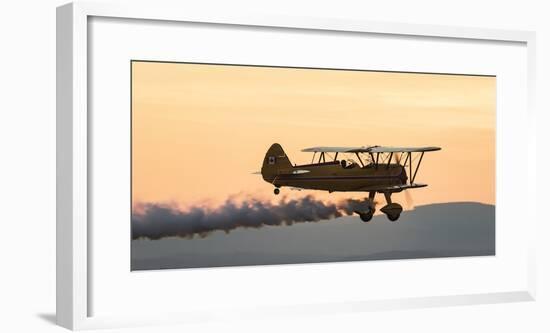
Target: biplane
{"x": 372, "y": 169}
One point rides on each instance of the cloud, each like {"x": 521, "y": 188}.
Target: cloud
{"x": 159, "y": 220}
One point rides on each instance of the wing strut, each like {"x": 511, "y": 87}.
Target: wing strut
{"x": 417, "y": 166}
{"x": 360, "y": 160}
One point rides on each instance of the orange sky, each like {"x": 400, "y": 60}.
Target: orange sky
{"x": 199, "y": 131}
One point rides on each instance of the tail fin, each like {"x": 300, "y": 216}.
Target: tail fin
{"x": 275, "y": 160}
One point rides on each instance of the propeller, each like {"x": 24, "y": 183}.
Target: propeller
{"x": 409, "y": 200}
{"x": 408, "y": 197}
{"x": 397, "y": 158}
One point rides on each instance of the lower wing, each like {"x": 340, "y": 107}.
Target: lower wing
{"x": 393, "y": 188}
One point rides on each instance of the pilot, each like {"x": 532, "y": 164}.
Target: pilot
{"x": 347, "y": 165}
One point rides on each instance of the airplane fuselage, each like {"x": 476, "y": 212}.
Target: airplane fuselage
{"x": 331, "y": 176}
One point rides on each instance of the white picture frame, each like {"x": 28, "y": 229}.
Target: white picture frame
{"x": 74, "y": 286}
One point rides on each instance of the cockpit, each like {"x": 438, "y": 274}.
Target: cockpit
{"x": 346, "y": 160}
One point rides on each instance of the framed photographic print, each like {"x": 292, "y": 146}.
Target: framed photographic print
{"x": 199, "y": 130}
{"x": 208, "y": 150}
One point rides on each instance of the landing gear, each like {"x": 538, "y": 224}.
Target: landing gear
{"x": 392, "y": 210}
{"x": 276, "y": 190}
{"x": 393, "y": 217}
{"x": 367, "y": 216}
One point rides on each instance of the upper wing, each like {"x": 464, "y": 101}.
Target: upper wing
{"x": 331, "y": 149}
{"x": 369, "y": 149}
{"x": 380, "y": 149}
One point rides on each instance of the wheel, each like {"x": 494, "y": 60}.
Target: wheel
{"x": 392, "y": 211}
{"x": 366, "y": 217}
{"x": 393, "y": 217}
{"x": 276, "y": 191}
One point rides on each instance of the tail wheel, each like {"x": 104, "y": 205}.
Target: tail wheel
{"x": 276, "y": 191}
